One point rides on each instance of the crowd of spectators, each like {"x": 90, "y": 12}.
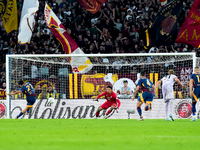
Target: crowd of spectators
{"x": 119, "y": 27}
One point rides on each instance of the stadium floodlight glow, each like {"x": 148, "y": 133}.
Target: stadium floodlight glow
{"x": 109, "y": 67}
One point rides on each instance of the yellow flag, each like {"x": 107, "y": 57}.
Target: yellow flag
{"x": 8, "y": 13}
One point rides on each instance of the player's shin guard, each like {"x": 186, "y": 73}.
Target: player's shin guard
{"x": 20, "y": 115}
{"x": 97, "y": 114}
{"x": 194, "y": 108}
{"x": 108, "y": 112}
{"x": 139, "y": 111}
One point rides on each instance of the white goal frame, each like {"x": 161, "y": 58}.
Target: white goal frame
{"x": 8, "y": 113}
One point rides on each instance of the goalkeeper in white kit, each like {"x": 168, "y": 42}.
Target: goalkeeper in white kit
{"x": 168, "y": 92}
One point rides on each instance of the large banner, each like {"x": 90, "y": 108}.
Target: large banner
{"x": 88, "y": 86}
{"x": 189, "y": 32}
{"x": 8, "y": 14}
{"x": 184, "y": 74}
{"x": 163, "y": 30}
{"x": 76, "y": 109}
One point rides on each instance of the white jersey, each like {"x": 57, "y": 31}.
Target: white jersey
{"x": 169, "y": 79}
{"x": 167, "y": 87}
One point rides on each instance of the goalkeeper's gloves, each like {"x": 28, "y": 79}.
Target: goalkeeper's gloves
{"x": 96, "y": 99}
{"x": 117, "y": 108}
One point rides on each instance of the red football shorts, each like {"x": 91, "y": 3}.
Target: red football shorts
{"x": 108, "y": 104}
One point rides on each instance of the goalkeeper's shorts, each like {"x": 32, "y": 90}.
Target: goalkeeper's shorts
{"x": 108, "y": 104}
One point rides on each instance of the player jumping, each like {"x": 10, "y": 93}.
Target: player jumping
{"x": 111, "y": 102}
{"x": 148, "y": 90}
{"x": 195, "y": 82}
{"x": 168, "y": 92}
{"x": 29, "y": 90}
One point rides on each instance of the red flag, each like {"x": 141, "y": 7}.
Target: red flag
{"x": 92, "y": 6}
{"x": 163, "y": 2}
{"x": 190, "y": 30}
{"x": 79, "y": 64}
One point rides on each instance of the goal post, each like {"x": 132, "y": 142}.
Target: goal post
{"x": 53, "y": 76}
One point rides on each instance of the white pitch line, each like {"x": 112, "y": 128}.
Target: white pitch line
{"x": 171, "y": 136}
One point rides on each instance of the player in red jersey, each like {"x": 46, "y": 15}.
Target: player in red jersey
{"x": 111, "y": 102}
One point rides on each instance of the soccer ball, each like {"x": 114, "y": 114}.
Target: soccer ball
{"x": 51, "y": 100}
{"x": 130, "y": 111}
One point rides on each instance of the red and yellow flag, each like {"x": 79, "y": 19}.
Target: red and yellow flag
{"x": 92, "y": 6}
{"x": 79, "y": 64}
{"x": 189, "y": 32}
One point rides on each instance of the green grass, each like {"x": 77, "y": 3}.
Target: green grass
{"x": 98, "y": 134}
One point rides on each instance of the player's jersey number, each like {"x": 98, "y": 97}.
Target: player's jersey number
{"x": 198, "y": 78}
{"x": 29, "y": 88}
{"x": 150, "y": 85}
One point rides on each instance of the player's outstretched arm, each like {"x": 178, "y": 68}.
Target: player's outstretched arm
{"x": 191, "y": 87}
{"x": 179, "y": 82}
{"x": 95, "y": 99}
{"x": 15, "y": 92}
{"x": 118, "y": 103}
{"x": 158, "y": 83}
{"x": 102, "y": 94}
{"x": 154, "y": 89}
{"x": 136, "y": 91}
{"x": 2, "y": 89}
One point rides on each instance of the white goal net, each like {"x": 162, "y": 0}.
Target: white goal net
{"x": 52, "y": 76}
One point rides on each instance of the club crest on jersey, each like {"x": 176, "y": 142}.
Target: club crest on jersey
{"x": 108, "y": 97}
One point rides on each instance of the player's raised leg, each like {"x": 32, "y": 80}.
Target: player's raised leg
{"x": 147, "y": 98}
{"x": 148, "y": 106}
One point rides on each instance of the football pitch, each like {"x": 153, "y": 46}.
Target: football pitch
{"x": 98, "y": 134}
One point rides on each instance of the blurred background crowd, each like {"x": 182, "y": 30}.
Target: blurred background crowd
{"x": 119, "y": 27}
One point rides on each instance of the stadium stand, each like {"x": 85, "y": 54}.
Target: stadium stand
{"x": 117, "y": 28}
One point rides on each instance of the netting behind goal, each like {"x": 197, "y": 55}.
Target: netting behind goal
{"x": 53, "y": 76}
